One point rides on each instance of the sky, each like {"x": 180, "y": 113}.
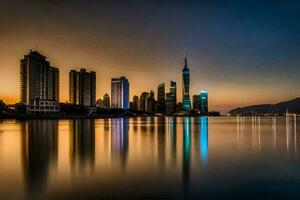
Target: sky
{"x": 241, "y": 52}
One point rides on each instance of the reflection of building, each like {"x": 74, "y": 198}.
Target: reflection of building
{"x": 161, "y": 99}
{"x": 186, "y": 103}
{"x": 82, "y": 88}
{"x": 186, "y": 156}
{"x": 82, "y": 143}
{"x": 39, "y": 145}
{"x": 204, "y": 139}
{"x": 119, "y": 139}
{"x": 196, "y": 102}
{"x": 120, "y": 93}
{"x": 161, "y": 141}
{"x": 204, "y": 102}
{"x": 39, "y": 84}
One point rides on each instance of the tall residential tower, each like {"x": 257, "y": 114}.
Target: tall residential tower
{"x": 39, "y": 84}
{"x": 120, "y": 93}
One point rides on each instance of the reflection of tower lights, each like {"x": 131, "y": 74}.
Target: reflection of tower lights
{"x": 204, "y": 139}
{"x": 274, "y": 128}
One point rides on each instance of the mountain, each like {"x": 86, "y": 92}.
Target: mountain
{"x": 292, "y": 106}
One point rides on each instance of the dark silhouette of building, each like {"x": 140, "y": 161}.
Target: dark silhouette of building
{"x": 82, "y": 88}
{"x": 161, "y": 98}
{"x": 204, "y": 102}
{"x": 179, "y": 107}
{"x": 106, "y": 101}
{"x": 39, "y": 84}
{"x": 120, "y": 93}
{"x": 135, "y": 103}
{"x": 151, "y": 103}
{"x": 171, "y": 99}
{"x": 196, "y": 102}
{"x": 143, "y": 101}
{"x": 186, "y": 102}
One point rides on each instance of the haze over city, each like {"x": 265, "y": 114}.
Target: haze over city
{"x": 242, "y": 53}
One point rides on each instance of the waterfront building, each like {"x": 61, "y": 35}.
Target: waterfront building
{"x": 143, "y": 101}
{"x": 82, "y": 88}
{"x": 186, "y": 103}
{"x": 151, "y": 103}
{"x": 161, "y": 98}
{"x": 39, "y": 84}
{"x": 196, "y": 102}
{"x": 170, "y": 104}
{"x": 204, "y": 102}
{"x": 100, "y": 103}
{"x": 135, "y": 103}
{"x": 120, "y": 93}
{"x": 106, "y": 101}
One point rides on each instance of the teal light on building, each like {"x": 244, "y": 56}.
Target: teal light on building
{"x": 204, "y": 102}
{"x": 186, "y": 102}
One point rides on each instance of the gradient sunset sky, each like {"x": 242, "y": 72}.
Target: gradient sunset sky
{"x": 242, "y": 52}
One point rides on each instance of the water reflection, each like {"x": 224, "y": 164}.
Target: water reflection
{"x": 39, "y": 146}
{"x": 82, "y": 144}
{"x": 156, "y": 157}
{"x": 204, "y": 140}
{"x": 119, "y": 140}
{"x": 186, "y": 161}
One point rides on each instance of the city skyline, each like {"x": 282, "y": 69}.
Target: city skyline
{"x": 239, "y": 53}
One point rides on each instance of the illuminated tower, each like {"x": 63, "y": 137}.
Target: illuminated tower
{"x": 186, "y": 103}
{"x": 204, "y": 102}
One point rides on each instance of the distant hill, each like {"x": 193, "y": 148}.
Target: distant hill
{"x": 292, "y": 106}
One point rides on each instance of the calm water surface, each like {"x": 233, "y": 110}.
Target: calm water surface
{"x": 199, "y": 157}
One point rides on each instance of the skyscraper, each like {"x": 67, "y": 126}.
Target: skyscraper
{"x": 120, "y": 93}
{"x": 186, "y": 102}
{"x": 82, "y": 88}
{"x": 171, "y": 99}
{"x": 39, "y": 84}
{"x": 151, "y": 103}
{"x": 204, "y": 102}
{"x": 135, "y": 103}
{"x": 143, "y": 101}
{"x": 106, "y": 101}
{"x": 196, "y": 102}
{"x": 161, "y": 98}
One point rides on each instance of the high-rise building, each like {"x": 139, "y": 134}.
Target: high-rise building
{"x": 196, "y": 102}
{"x": 173, "y": 90}
{"x": 39, "y": 84}
{"x": 204, "y": 102}
{"x": 186, "y": 102}
{"x": 170, "y": 103}
{"x": 143, "y": 101}
{"x": 100, "y": 103}
{"x": 135, "y": 103}
{"x": 120, "y": 93}
{"x": 82, "y": 88}
{"x": 161, "y": 98}
{"x": 171, "y": 99}
{"x": 106, "y": 101}
{"x": 151, "y": 103}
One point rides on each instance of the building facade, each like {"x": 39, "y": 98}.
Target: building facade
{"x": 39, "y": 84}
{"x": 196, "y": 102}
{"x": 143, "y": 101}
{"x": 120, "y": 93}
{"x": 151, "y": 103}
{"x": 106, "y": 101}
{"x": 135, "y": 103}
{"x": 161, "y": 98}
{"x": 186, "y": 102}
{"x": 82, "y": 88}
{"x": 204, "y": 102}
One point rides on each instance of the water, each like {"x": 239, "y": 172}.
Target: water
{"x": 241, "y": 158}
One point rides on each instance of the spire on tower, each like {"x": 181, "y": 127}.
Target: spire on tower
{"x": 185, "y": 60}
